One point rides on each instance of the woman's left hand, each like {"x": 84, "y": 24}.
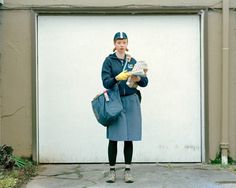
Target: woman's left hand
{"x": 135, "y": 78}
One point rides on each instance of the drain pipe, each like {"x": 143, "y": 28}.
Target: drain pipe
{"x": 224, "y": 145}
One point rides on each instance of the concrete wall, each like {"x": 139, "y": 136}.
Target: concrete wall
{"x": 16, "y": 65}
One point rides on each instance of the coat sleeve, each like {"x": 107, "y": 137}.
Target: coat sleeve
{"x": 143, "y": 82}
{"x": 108, "y": 79}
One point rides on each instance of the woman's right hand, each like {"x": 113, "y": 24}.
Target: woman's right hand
{"x": 135, "y": 78}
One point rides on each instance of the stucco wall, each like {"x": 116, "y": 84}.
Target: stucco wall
{"x": 214, "y": 80}
{"x": 16, "y": 64}
{"x": 15, "y": 49}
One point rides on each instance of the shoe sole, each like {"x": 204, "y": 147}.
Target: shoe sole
{"x": 109, "y": 181}
{"x": 130, "y": 181}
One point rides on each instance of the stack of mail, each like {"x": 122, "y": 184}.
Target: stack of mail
{"x": 140, "y": 69}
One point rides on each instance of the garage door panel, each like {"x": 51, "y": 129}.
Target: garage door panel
{"x": 71, "y": 50}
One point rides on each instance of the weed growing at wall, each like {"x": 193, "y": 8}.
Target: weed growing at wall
{"x": 217, "y": 159}
{"x": 14, "y": 170}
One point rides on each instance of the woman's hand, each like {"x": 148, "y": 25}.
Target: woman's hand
{"x": 122, "y": 76}
{"x": 135, "y": 78}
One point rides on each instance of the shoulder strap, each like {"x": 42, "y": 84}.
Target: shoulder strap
{"x": 126, "y": 61}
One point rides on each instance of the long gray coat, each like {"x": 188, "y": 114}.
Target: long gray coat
{"x": 128, "y": 126}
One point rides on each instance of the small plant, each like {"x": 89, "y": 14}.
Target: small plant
{"x": 231, "y": 160}
{"x": 19, "y": 162}
{"x": 6, "y": 159}
{"x": 8, "y": 182}
{"x": 217, "y": 159}
{"x": 14, "y": 170}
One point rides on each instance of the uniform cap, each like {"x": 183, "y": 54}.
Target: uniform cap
{"x": 120, "y": 35}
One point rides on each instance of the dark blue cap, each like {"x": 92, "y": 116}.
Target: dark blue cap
{"x": 120, "y": 35}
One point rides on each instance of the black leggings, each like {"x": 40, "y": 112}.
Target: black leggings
{"x": 112, "y": 152}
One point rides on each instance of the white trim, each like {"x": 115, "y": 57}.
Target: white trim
{"x": 202, "y": 15}
{"x": 36, "y": 92}
{"x": 121, "y": 35}
{"x": 201, "y": 29}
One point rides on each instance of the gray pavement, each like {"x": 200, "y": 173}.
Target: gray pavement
{"x": 146, "y": 175}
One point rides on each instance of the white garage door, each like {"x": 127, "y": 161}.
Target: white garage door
{"x": 71, "y": 50}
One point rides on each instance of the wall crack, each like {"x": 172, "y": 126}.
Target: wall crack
{"x": 13, "y": 113}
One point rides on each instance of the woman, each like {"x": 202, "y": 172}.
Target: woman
{"x": 127, "y": 127}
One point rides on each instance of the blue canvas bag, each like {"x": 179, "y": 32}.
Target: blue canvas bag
{"x": 107, "y": 106}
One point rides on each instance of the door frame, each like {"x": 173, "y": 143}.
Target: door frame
{"x": 203, "y": 15}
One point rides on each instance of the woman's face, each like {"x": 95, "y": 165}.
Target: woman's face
{"x": 121, "y": 45}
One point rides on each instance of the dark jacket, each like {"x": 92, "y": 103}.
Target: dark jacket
{"x": 112, "y": 66}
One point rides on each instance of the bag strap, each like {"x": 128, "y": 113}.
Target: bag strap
{"x": 126, "y": 61}
{"x": 125, "y": 64}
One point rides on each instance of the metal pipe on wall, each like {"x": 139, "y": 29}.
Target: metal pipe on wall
{"x": 224, "y": 145}
{"x": 0, "y": 100}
